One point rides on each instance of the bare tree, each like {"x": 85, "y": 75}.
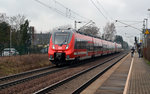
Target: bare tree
{"x": 90, "y": 30}
{"x": 17, "y": 21}
{"x": 4, "y": 18}
{"x": 14, "y": 21}
{"x": 109, "y": 31}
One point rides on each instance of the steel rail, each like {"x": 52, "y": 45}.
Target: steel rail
{"x": 25, "y": 73}
{"x": 6, "y": 85}
{"x": 57, "y": 84}
{"x": 86, "y": 84}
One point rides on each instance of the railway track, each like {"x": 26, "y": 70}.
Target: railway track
{"x": 19, "y": 78}
{"x": 8, "y": 81}
{"x": 55, "y": 87}
{"x": 24, "y": 73}
{"x": 15, "y": 79}
{"x": 86, "y": 84}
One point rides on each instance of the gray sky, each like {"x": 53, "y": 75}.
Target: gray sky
{"x": 45, "y": 19}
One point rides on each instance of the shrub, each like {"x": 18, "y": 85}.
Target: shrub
{"x": 16, "y": 64}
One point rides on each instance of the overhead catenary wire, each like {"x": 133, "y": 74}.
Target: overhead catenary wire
{"x": 108, "y": 16}
{"x": 99, "y": 10}
{"x": 67, "y": 10}
{"x": 136, "y": 23}
{"x": 130, "y": 21}
{"x": 70, "y": 10}
{"x": 68, "y": 13}
{"x": 54, "y": 9}
{"x": 98, "y": 2}
{"x": 129, "y": 25}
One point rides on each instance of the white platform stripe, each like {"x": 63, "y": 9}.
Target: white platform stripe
{"x": 128, "y": 78}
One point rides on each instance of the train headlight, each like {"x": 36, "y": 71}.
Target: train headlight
{"x": 67, "y": 46}
{"x": 53, "y": 47}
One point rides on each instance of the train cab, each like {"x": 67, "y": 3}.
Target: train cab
{"x": 61, "y": 46}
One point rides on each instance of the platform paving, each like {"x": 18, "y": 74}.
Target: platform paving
{"x": 116, "y": 82}
{"x": 139, "y": 82}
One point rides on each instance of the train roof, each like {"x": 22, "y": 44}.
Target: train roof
{"x": 75, "y": 31}
{"x": 92, "y": 36}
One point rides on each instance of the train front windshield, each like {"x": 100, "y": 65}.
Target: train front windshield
{"x": 61, "y": 38}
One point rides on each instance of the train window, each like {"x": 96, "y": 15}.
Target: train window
{"x": 61, "y": 38}
{"x": 78, "y": 44}
{"x": 95, "y": 46}
{"x": 75, "y": 46}
{"x": 82, "y": 44}
{"x": 105, "y": 47}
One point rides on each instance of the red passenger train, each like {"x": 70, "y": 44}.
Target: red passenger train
{"x": 69, "y": 45}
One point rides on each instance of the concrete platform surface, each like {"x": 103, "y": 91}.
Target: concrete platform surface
{"x": 130, "y": 76}
{"x": 139, "y": 82}
{"x": 116, "y": 82}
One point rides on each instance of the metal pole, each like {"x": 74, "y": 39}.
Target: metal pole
{"x": 146, "y": 23}
{"x": 75, "y": 25}
{"x": 10, "y": 42}
{"x": 146, "y": 27}
{"x": 143, "y": 25}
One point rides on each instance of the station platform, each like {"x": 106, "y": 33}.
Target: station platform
{"x": 139, "y": 82}
{"x": 130, "y": 76}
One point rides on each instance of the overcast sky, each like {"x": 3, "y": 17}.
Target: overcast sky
{"x": 45, "y": 19}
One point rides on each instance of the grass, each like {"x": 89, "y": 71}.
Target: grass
{"x": 148, "y": 62}
{"x": 16, "y": 64}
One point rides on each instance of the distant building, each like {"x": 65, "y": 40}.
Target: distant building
{"x": 41, "y": 39}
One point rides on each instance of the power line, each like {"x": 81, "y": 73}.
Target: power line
{"x": 54, "y": 9}
{"x": 99, "y": 10}
{"x": 104, "y": 9}
{"x": 71, "y": 11}
{"x": 128, "y": 25}
{"x": 131, "y": 24}
{"x": 136, "y": 23}
{"x": 68, "y": 13}
{"x": 130, "y": 21}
